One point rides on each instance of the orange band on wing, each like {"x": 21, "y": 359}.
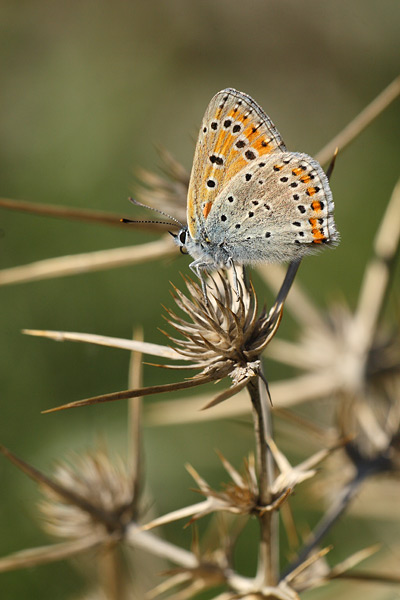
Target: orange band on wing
{"x": 316, "y": 205}
{"x": 262, "y": 146}
{"x": 206, "y": 209}
{"x": 191, "y": 217}
{"x": 318, "y": 236}
{"x": 305, "y": 178}
{"x": 235, "y": 167}
{"x": 224, "y": 144}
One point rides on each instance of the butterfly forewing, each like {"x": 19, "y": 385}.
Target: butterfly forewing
{"x": 235, "y": 133}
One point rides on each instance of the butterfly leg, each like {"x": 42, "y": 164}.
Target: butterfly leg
{"x": 245, "y": 279}
{"x": 231, "y": 264}
{"x": 197, "y": 267}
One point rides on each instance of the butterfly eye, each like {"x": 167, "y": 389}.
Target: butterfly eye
{"x": 182, "y": 237}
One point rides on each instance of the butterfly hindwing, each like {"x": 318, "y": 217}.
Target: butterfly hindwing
{"x": 277, "y": 209}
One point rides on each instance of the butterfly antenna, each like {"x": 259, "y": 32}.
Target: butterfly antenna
{"x": 332, "y": 164}
{"x": 152, "y": 222}
{"x": 157, "y": 210}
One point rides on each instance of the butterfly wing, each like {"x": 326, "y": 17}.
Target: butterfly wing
{"x": 277, "y": 209}
{"x": 235, "y": 131}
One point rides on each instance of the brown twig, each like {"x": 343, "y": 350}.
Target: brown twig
{"x": 360, "y": 122}
{"x": 135, "y": 423}
{"x": 74, "y": 214}
{"x": 125, "y": 394}
{"x": 267, "y": 568}
{"x": 379, "y": 272}
{"x": 86, "y": 262}
{"x": 328, "y": 520}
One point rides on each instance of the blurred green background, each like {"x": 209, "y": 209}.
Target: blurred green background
{"x": 87, "y": 89}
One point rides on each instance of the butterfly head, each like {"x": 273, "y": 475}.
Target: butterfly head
{"x": 181, "y": 238}
{"x": 207, "y": 254}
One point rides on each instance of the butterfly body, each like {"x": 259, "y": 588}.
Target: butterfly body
{"x": 249, "y": 199}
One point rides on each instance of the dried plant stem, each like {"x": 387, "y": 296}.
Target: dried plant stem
{"x": 285, "y": 287}
{"x": 110, "y": 573}
{"x": 125, "y": 394}
{"x": 329, "y": 519}
{"x": 285, "y": 393}
{"x": 149, "y": 542}
{"x": 44, "y": 555}
{"x": 363, "y": 119}
{"x": 89, "y": 261}
{"x": 268, "y": 551}
{"x": 373, "y": 577}
{"x": 299, "y": 304}
{"x": 379, "y": 272}
{"x": 111, "y": 342}
{"x": 262, "y": 426}
{"x": 73, "y": 214}
{"x": 135, "y": 424}
{"x": 267, "y": 560}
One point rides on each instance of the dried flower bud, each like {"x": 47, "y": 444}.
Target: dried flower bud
{"x": 106, "y": 492}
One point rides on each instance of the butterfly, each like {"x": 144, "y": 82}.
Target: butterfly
{"x": 249, "y": 199}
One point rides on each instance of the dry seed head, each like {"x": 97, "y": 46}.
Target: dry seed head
{"x": 353, "y": 361}
{"x": 167, "y": 193}
{"x": 223, "y": 335}
{"x": 372, "y": 422}
{"x": 97, "y": 481}
{"x": 239, "y": 496}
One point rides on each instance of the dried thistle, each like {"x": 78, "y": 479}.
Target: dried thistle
{"x": 241, "y": 496}
{"x": 222, "y": 336}
{"x": 214, "y": 567}
{"x": 372, "y": 422}
{"x": 167, "y": 193}
{"x": 88, "y": 497}
{"x": 104, "y": 485}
